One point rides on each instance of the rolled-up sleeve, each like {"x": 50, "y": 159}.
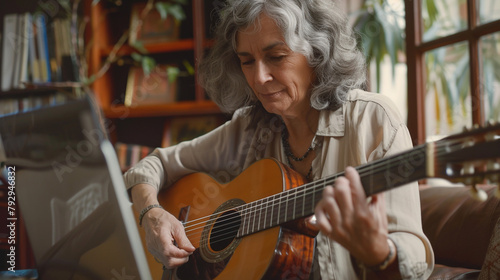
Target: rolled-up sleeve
{"x": 415, "y": 255}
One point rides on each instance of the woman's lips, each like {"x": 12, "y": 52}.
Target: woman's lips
{"x": 271, "y": 94}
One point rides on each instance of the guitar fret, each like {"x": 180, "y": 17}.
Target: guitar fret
{"x": 313, "y": 199}
{"x": 254, "y": 214}
{"x": 283, "y": 207}
{"x": 248, "y": 220}
{"x": 292, "y": 207}
{"x": 308, "y": 196}
{"x": 271, "y": 216}
{"x": 279, "y": 210}
{"x": 260, "y": 216}
{"x": 286, "y": 209}
{"x": 303, "y": 201}
{"x": 242, "y": 216}
{"x": 251, "y": 214}
{"x": 298, "y": 209}
{"x": 266, "y": 210}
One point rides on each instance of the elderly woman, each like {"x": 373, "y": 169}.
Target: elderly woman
{"x": 291, "y": 73}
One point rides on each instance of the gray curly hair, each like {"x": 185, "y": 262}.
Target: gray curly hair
{"x": 314, "y": 28}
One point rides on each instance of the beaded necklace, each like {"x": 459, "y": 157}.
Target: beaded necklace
{"x": 290, "y": 155}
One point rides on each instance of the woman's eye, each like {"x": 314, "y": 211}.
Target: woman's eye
{"x": 247, "y": 62}
{"x": 277, "y": 58}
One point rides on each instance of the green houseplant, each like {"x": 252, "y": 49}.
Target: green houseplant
{"x": 381, "y": 30}
{"x": 381, "y": 33}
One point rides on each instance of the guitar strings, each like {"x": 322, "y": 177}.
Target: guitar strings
{"x": 282, "y": 195}
{"x": 308, "y": 204}
{"x": 256, "y": 204}
{"x": 238, "y": 218}
{"x": 290, "y": 194}
{"x": 248, "y": 209}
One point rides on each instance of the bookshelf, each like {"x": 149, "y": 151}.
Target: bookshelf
{"x": 29, "y": 32}
{"x": 106, "y": 22}
{"x": 133, "y": 126}
{"x": 15, "y": 98}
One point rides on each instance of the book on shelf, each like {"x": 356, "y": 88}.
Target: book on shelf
{"x": 18, "y": 43}
{"x": 36, "y": 49}
{"x": 130, "y": 154}
{"x": 151, "y": 89}
{"x": 9, "y": 50}
{"x": 26, "y": 22}
{"x": 33, "y": 61}
{"x": 151, "y": 28}
{"x": 43, "y": 47}
{"x": 63, "y": 57}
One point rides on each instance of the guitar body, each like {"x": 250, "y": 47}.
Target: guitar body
{"x": 274, "y": 253}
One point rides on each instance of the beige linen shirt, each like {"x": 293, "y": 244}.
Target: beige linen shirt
{"x": 367, "y": 127}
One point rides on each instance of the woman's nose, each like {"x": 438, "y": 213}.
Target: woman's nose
{"x": 262, "y": 73}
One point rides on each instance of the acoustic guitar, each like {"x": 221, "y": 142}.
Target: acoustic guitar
{"x": 254, "y": 227}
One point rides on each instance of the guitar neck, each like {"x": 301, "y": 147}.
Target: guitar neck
{"x": 299, "y": 202}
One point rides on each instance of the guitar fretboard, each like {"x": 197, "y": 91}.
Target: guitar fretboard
{"x": 299, "y": 202}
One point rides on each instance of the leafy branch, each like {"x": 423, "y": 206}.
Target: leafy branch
{"x": 165, "y": 8}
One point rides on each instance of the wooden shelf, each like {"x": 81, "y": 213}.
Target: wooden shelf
{"x": 181, "y": 45}
{"x": 33, "y": 90}
{"x": 184, "y": 108}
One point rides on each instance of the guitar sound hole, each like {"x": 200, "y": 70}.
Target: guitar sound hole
{"x": 225, "y": 229}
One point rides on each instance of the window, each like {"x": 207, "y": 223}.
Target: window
{"x": 453, "y": 58}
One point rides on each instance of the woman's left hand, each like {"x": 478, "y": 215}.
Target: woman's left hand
{"x": 345, "y": 215}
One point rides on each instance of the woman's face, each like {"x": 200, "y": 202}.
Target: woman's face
{"x": 279, "y": 77}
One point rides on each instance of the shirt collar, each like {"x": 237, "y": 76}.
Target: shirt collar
{"x": 331, "y": 123}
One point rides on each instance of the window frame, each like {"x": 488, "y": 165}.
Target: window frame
{"x": 416, "y": 49}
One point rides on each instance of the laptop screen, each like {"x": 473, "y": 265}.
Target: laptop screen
{"x": 71, "y": 194}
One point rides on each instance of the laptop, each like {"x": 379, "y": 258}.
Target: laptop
{"x": 70, "y": 190}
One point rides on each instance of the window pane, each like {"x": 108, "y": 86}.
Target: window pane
{"x": 490, "y": 75}
{"x": 441, "y": 18}
{"x": 489, "y": 10}
{"x": 448, "y": 98}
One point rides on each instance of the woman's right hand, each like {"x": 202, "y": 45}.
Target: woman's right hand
{"x": 166, "y": 239}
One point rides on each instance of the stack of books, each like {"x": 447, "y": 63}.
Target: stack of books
{"x": 36, "y": 49}
{"x": 130, "y": 154}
